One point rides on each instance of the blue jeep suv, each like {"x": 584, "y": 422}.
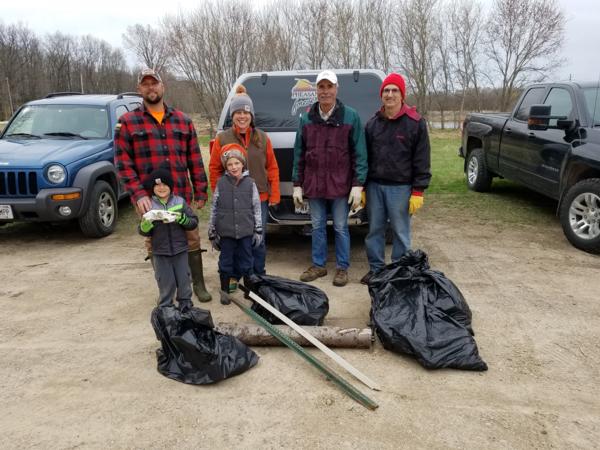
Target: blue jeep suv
{"x": 56, "y": 161}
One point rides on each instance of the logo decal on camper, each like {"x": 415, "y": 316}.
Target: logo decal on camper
{"x": 304, "y": 94}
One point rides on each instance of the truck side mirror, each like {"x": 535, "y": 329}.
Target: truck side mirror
{"x": 539, "y": 117}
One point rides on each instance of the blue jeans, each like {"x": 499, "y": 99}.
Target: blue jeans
{"x": 387, "y": 202}
{"x": 318, "y": 217}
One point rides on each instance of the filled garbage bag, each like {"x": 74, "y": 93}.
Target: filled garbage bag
{"x": 418, "y": 311}
{"x": 193, "y": 352}
{"x": 300, "y": 302}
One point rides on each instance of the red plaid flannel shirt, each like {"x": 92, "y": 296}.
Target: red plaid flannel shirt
{"x": 141, "y": 144}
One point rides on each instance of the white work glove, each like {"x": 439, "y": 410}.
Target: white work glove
{"x": 355, "y": 197}
{"x": 297, "y": 195}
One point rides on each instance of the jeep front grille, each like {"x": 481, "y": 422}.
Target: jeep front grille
{"x": 18, "y": 184}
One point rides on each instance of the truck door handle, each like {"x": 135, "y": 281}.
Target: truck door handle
{"x": 531, "y": 135}
{"x": 508, "y": 130}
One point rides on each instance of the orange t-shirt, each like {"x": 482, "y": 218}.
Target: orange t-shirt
{"x": 158, "y": 115}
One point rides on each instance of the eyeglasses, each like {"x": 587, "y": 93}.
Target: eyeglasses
{"x": 393, "y": 91}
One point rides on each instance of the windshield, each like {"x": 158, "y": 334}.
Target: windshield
{"x": 592, "y": 99}
{"x": 60, "y": 122}
{"x": 279, "y": 102}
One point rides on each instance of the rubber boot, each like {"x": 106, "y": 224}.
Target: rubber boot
{"x": 195, "y": 262}
{"x": 225, "y": 300}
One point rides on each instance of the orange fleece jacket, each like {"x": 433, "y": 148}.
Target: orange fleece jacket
{"x": 216, "y": 170}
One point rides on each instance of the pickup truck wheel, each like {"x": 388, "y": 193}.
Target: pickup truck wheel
{"x": 580, "y": 215}
{"x": 100, "y": 219}
{"x": 479, "y": 179}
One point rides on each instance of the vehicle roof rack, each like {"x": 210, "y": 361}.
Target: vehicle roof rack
{"x": 123, "y": 94}
{"x": 61, "y": 94}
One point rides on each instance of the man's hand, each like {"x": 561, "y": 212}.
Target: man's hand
{"x": 198, "y": 204}
{"x": 297, "y": 196}
{"x": 415, "y": 202}
{"x": 143, "y": 205}
{"x": 355, "y": 197}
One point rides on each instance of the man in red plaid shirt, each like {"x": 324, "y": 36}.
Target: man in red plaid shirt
{"x": 154, "y": 133}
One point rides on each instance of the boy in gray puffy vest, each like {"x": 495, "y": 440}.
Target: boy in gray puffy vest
{"x": 235, "y": 225}
{"x": 166, "y": 222}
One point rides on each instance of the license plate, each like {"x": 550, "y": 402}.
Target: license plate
{"x": 6, "y": 212}
{"x": 304, "y": 209}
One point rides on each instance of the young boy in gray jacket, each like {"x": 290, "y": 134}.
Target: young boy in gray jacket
{"x": 169, "y": 241}
{"x": 235, "y": 225}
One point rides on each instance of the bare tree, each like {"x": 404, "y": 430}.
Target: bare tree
{"x": 60, "y": 52}
{"x": 415, "y": 32}
{"x": 315, "y": 28}
{"x": 443, "y": 81}
{"x": 277, "y": 45}
{"x": 21, "y": 66}
{"x": 212, "y": 46}
{"x": 341, "y": 49}
{"x": 523, "y": 41}
{"x": 465, "y": 18}
{"x": 148, "y": 45}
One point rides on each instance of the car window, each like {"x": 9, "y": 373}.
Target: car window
{"x": 562, "y": 105}
{"x": 279, "y": 102}
{"x": 532, "y": 97}
{"x": 592, "y": 100}
{"x": 60, "y": 121}
{"x": 120, "y": 110}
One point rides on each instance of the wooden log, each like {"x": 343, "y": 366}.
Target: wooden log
{"x": 337, "y": 337}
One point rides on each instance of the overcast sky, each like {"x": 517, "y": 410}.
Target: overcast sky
{"x": 108, "y": 20}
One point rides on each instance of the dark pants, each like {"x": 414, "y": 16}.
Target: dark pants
{"x": 172, "y": 275}
{"x": 235, "y": 259}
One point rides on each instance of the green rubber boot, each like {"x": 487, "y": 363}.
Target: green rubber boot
{"x": 195, "y": 262}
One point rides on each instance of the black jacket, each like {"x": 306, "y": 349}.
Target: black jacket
{"x": 398, "y": 149}
{"x": 169, "y": 239}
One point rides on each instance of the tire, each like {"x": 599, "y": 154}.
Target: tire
{"x": 100, "y": 219}
{"x": 479, "y": 179}
{"x": 580, "y": 215}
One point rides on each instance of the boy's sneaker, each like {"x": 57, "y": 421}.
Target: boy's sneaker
{"x": 341, "y": 277}
{"x": 312, "y": 273}
{"x": 225, "y": 299}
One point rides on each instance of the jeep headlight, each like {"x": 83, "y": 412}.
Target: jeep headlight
{"x": 56, "y": 174}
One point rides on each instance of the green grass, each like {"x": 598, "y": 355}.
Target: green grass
{"x": 507, "y": 202}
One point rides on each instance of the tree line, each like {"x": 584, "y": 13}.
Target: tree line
{"x": 457, "y": 55}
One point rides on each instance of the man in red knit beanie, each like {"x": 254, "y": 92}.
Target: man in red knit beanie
{"x": 399, "y": 171}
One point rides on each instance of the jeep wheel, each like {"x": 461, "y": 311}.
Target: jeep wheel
{"x": 479, "y": 179}
{"x": 580, "y": 215}
{"x": 100, "y": 218}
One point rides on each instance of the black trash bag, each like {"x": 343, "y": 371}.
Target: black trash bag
{"x": 300, "y": 302}
{"x": 418, "y": 311}
{"x": 193, "y": 352}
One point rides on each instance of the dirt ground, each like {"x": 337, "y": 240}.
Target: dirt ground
{"x": 79, "y": 368}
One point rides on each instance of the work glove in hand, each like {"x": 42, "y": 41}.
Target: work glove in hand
{"x": 415, "y": 202}
{"x": 355, "y": 197}
{"x": 146, "y": 225}
{"x": 257, "y": 238}
{"x": 215, "y": 239}
{"x": 297, "y": 195}
{"x": 182, "y": 219}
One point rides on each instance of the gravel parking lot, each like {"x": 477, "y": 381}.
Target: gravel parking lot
{"x": 79, "y": 369}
